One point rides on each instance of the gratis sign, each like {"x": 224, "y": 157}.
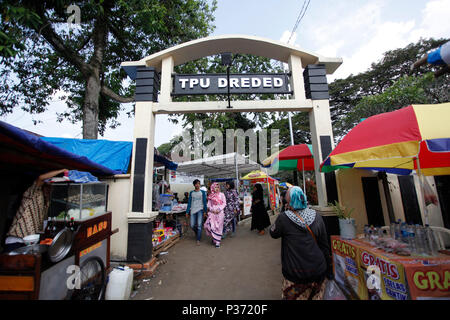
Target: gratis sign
{"x": 247, "y": 83}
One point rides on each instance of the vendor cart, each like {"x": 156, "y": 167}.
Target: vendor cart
{"x": 80, "y": 274}
{"x": 400, "y": 277}
{"x": 72, "y": 258}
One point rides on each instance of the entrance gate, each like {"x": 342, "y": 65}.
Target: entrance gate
{"x": 309, "y": 93}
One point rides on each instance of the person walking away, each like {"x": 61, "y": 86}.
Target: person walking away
{"x": 196, "y": 209}
{"x": 231, "y": 210}
{"x": 305, "y": 253}
{"x": 260, "y": 217}
{"x": 214, "y": 222}
{"x": 32, "y": 211}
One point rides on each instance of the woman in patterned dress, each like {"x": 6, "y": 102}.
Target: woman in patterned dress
{"x": 231, "y": 210}
{"x": 214, "y": 222}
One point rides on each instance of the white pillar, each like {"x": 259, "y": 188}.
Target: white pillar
{"x": 320, "y": 125}
{"x": 167, "y": 66}
{"x": 142, "y": 166}
{"x": 296, "y": 79}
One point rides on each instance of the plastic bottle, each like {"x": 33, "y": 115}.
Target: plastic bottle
{"x": 392, "y": 230}
{"x": 380, "y": 233}
{"x": 397, "y": 230}
{"x": 412, "y": 238}
{"x": 404, "y": 232}
{"x": 432, "y": 245}
{"x": 366, "y": 232}
{"x": 421, "y": 245}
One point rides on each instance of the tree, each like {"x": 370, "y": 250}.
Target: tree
{"x": 405, "y": 91}
{"x": 84, "y": 61}
{"x": 345, "y": 94}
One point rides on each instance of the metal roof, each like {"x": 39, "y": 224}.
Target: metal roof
{"x": 219, "y": 166}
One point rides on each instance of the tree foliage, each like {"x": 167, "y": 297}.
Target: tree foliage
{"x": 346, "y": 94}
{"x": 42, "y": 55}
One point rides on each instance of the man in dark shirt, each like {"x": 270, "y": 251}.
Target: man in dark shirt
{"x": 305, "y": 253}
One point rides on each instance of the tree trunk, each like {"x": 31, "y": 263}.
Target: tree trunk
{"x": 91, "y": 108}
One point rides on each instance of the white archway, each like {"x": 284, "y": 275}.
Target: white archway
{"x": 149, "y": 102}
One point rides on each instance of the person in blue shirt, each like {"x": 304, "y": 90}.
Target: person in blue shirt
{"x": 196, "y": 209}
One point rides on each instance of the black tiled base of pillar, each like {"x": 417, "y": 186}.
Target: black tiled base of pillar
{"x": 332, "y": 226}
{"x": 140, "y": 241}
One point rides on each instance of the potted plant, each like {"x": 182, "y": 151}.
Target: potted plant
{"x": 347, "y": 226}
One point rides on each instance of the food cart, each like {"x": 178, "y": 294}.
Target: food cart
{"x": 72, "y": 257}
{"x": 401, "y": 277}
{"x": 269, "y": 184}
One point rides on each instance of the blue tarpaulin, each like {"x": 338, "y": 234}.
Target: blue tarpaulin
{"x": 114, "y": 155}
{"x": 22, "y": 151}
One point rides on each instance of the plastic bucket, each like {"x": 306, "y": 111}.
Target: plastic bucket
{"x": 347, "y": 228}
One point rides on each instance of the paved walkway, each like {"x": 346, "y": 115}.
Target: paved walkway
{"x": 245, "y": 267}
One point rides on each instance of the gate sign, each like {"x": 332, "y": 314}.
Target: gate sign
{"x": 248, "y": 83}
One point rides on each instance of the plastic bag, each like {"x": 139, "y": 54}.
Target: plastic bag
{"x": 81, "y": 176}
{"x": 430, "y": 196}
{"x": 333, "y": 292}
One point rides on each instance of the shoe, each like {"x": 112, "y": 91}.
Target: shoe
{"x": 262, "y": 232}
{"x": 198, "y": 242}
{"x": 233, "y": 234}
{"x": 224, "y": 236}
{"x": 217, "y": 245}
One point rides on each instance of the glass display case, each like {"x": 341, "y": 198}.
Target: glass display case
{"x": 80, "y": 201}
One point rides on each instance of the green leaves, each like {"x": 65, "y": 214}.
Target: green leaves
{"x": 387, "y": 85}
{"x": 42, "y": 55}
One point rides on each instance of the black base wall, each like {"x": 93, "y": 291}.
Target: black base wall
{"x": 140, "y": 241}
{"x": 332, "y": 226}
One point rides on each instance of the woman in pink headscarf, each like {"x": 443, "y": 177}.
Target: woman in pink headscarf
{"x": 214, "y": 222}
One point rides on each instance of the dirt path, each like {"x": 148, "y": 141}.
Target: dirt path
{"x": 245, "y": 267}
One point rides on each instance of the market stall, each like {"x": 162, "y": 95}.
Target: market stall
{"x": 76, "y": 234}
{"x": 400, "y": 277}
{"x": 270, "y": 187}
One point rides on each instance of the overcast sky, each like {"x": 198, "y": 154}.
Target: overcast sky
{"x": 359, "y": 32}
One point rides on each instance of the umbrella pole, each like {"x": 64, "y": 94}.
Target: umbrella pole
{"x": 303, "y": 175}
{"x": 422, "y": 188}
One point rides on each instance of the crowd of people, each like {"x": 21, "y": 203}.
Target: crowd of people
{"x": 221, "y": 209}
{"x": 305, "y": 252}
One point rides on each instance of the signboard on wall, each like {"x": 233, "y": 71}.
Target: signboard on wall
{"x": 247, "y": 205}
{"x": 217, "y": 83}
{"x": 180, "y": 178}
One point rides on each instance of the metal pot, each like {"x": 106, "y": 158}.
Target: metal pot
{"x": 61, "y": 245}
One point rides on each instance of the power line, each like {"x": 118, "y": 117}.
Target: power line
{"x": 299, "y": 18}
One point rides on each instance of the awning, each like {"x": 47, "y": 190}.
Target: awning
{"x": 24, "y": 152}
{"x": 115, "y": 155}
{"x": 218, "y": 166}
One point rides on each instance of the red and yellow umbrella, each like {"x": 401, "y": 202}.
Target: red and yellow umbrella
{"x": 416, "y": 137}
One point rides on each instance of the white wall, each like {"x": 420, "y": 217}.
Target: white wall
{"x": 118, "y": 202}
{"x": 351, "y": 195}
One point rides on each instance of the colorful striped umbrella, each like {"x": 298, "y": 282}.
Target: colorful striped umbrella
{"x": 296, "y": 157}
{"x": 290, "y": 158}
{"x": 416, "y": 137}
